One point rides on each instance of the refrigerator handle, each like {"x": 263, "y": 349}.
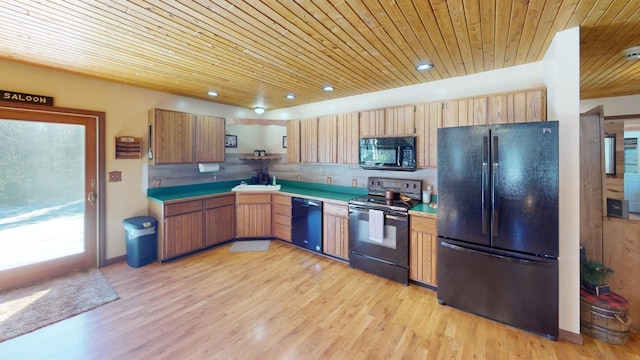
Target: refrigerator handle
{"x": 494, "y": 184}
{"x": 485, "y": 185}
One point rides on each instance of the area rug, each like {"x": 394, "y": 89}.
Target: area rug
{"x": 250, "y": 245}
{"x": 29, "y": 308}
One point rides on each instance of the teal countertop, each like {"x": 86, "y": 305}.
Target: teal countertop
{"x": 297, "y": 188}
{"x": 424, "y": 208}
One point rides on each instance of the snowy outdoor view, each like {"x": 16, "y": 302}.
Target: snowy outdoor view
{"x": 41, "y": 191}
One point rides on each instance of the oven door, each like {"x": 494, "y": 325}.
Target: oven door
{"x": 394, "y": 247}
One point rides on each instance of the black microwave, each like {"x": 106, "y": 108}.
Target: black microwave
{"x": 388, "y": 153}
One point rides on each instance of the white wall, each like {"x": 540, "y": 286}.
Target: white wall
{"x": 561, "y": 66}
{"x": 620, "y": 105}
{"x": 126, "y": 110}
{"x": 514, "y": 78}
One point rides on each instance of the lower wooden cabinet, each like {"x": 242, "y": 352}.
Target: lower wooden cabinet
{"x": 423, "y": 249}
{"x": 220, "y": 219}
{"x": 335, "y": 230}
{"x": 180, "y": 227}
{"x": 188, "y": 226}
{"x": 253, "y": 215}
{"x": 282, "y": 217}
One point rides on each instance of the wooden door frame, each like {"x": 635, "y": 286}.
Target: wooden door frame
{"x": 100, "y": 171}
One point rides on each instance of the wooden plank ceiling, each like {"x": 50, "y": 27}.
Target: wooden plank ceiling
{"x": 253, "y": 53}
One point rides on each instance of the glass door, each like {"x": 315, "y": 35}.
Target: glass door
{"x": 48, "y": 185}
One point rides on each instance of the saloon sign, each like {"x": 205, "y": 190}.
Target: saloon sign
{"x": 25, "y": 98}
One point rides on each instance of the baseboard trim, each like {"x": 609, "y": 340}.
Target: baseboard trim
{"x": 114, "y": 260}
{"x": 570, "y": 337}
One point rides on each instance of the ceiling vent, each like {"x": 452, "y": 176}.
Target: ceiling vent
{"x": 632, "y": 53}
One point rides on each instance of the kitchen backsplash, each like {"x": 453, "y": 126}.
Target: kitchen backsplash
{"x": 234, "y": 169}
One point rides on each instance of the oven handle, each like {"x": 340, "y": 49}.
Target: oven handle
{"x": 387, "y": 214}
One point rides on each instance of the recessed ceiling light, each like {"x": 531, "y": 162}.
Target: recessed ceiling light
{"x": 327, "y": 88}
{"x": 290, "y": 96}
{"x": 424, "y": 67}
{"x": 632, "y": 53}
{"x": 212, "y": 93}
{"x": 259, "y": 110}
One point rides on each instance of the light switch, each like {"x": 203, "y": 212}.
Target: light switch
{"x": 115, "y": 176}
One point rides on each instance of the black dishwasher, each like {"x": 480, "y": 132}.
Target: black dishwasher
{"x": 306, "y": 223}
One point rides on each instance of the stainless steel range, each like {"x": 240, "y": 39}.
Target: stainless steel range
{"x": 379, "y": 227}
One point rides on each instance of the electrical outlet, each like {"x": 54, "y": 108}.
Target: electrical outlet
{"x": 328, "y": 179}
{"x": 354, "y": 182}
{"x": 156, "y": 182}
{"x": 299, "y": 177}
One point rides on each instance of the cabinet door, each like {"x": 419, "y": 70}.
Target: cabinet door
{"x": 517, "y": 107}
{"x": 428, "y": 120}
{"x": 372, "y": 123}
{"x": 293, "y": 141}
{"x": 465, "y": 112}
{"x": 309, "y": 140}
{"x": 400, "y": 120}
{"x": 183, "y": 234}
{"x": 335, "y": 230}
{"x": 327, "y": 139}
{"x": 348, "y": 138}
{"x": 172, "y": 137}
{"x": 209, "y": 139}
{"x": 253, "y": 215}
{"x": 220, "y": 225}
{"x": 422, "y": 251}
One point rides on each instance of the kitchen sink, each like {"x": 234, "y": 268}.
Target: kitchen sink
{"x": 247, "y": 187}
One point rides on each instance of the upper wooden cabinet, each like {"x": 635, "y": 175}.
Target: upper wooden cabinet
{"x": 428, "y": 118}
{"x": 327, "y": 139}
{"x": 400, "y": 120}
{"x": 348, "y": 138}
{"x": 372, "y": 123}
{"x": 178, "y": 138}
{"x": 309, "y": 140}
{"x": 209, "y": 138}
{"x": 171, "y": 137}
{"x": 465, "y": 112}
{"x": 293, "y": 141}
{"x": 512, "y": 107}
{"x": 395, "y": 121}
{"x": 516, "y": 107}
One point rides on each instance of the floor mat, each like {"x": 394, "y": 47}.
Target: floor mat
{"x": 250, "y": 245}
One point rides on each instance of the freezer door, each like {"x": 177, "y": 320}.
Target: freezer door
{"x": 463, "y": 180}
{"x": 525, "y": 187}
{"x": 521, "y": 291}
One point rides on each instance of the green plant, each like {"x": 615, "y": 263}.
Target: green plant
{"x": 594, "y": 272}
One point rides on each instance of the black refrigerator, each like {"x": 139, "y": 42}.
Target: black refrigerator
{"x": 498, "y": 224}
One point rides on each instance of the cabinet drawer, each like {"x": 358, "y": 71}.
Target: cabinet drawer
{"x": 282, "y": 200}
{"x": 336, "y": 210}
{"x": 183, "y": 208}
{"x": 219, "y": 202}
{"x": 423, "y": 224}
{"x": 253, "y": 199}
{"x": 282, "y": 219}
{"x": 282, "y": 232}
{"x": 282, "y": 209}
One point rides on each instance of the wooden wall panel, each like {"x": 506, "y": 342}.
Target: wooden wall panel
{"x": 622, "y": 254}
{"x": 591, "y": 176}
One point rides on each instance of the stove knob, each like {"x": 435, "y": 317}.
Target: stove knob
{"x": 415, "y": 186}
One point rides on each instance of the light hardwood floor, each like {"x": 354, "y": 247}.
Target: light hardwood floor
{"x": 285, "y": 303}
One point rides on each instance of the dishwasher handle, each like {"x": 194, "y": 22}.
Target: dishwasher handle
{"x": 307, "y": 202}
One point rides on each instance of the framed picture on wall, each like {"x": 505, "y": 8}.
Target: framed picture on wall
{"x": 230, "y": 141}
{"x": 284, "y": 142}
